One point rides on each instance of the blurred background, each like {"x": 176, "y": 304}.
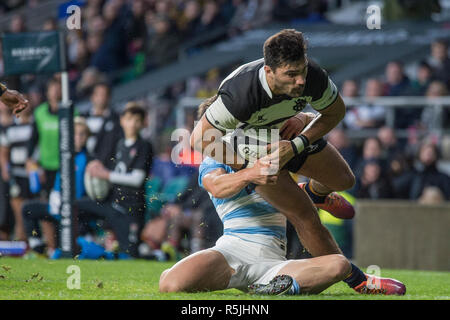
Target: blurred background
{"x": 169, "y": 55}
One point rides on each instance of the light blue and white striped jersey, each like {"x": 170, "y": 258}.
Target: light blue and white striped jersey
{"x": 246, "y": 215}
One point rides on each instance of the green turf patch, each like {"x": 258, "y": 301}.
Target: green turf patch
{"x": 47, "y": 279}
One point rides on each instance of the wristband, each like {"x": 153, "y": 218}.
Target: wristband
{"x": 299, "y": 144}
{"x": 3, "y": 88}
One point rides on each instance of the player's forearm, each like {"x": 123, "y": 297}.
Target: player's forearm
{"x": 228, "y": 184}
{"x": 328, "y": 119}
{"x": 133, "y": 179}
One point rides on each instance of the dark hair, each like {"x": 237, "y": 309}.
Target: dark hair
{"x": 53, "y": 81}
{"x": 205, "y": 105}
{"x": 135, "y": 109}
{"x": 284, "y": 47}
{"x": 103, "y": 84}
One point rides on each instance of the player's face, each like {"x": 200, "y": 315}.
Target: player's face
{"x": 80, "y": 137}
{"x": 131, "y": 124}
{"x": 290, "y": 79}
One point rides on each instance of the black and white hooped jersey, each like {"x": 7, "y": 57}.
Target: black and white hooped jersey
{"x": 245, "y": 98}
{"x": 105, "y": 133}
{"x": 16, "y": 138}
{"x": 139, "y": 156}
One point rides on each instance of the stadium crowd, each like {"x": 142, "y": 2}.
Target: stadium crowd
{"x": 174, "y": 214}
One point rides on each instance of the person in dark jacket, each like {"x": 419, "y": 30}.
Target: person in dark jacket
{"x": 427, "y": 173}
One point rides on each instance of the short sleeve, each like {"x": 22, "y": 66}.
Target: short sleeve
{"x": 207, "y": 166}
{"x": 327, "y": 97}
{"x": 4, "y": 139}
{"x": 319, "y": 87}
{"x": 144, "y": 157}
{"x": 219, "y": 117}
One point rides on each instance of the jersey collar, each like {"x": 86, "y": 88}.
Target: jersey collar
{"x": 263, "y": 80}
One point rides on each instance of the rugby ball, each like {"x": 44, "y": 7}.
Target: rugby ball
{"x": 97, "y": 189}
{"x": 251, "y": 142}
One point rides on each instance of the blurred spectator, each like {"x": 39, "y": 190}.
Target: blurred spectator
{"x": 440, "y": 61}
{"x": 250, "y": 14}
{"x": 209, "y": 86}
{"x": 400, "y": 175}
{"x": 13, "y": 153}
{"x": 423, "y": 79}
{"x": 372, "y": 150}
{"x": 43, "y": 147}
{"x": 89, "y": 78}
{"x": 369, "y": 115}
{"x": 36, "y": 211}
{"x": 189, "y": 20}
{"x": 389, "y": 143}
{"x": 17, "y": 24}
{"x": 397, "y": 83}
{"x": 394, "y": 10}
{"x": 104, "y": 125}
{"x": 427, "y": 174}
{"x": 430, "y": 118}
{"x": 112, "y": 53}
{"x": 6, "y": 214}
{"x": 350, "y": 88}
{"x": 373, "y": 184}
{"x": 162, "y": 46}
{"x": 310, "y": 10}
{"x": 137, "y": 29}
{"x": 340, "y": 141}
{"x": 431, "y": 196}
{"x": 210, "y": 18}
{"x": 50, "y": 24}
{"x": 124, "y": 208}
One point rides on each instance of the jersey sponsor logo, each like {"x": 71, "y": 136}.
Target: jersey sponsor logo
{"x": 300, "y": 103}
{"x": 261, "y": 119}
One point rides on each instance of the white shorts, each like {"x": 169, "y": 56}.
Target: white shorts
{"x": 252, "y": 262}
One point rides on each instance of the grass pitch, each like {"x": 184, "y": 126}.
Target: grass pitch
{"x": 47, "y": 279}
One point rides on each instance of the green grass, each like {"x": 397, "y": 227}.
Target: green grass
{"x": 46, "y": 279}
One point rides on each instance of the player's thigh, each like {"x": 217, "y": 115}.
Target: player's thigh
{"x": 206, "y": 270}
{"x": 316, "y": 274}
{"x": 290, "y": 200}
{"x": 329, "y": 168}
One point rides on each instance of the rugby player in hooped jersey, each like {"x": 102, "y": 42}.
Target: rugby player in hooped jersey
{"x": 269, "y": 92}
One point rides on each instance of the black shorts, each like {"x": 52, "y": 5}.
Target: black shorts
{"x": 23, "y": 188}
{"x": 297, "y": 162}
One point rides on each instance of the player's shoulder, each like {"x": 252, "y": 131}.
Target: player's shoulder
{"x": 316, "y": 72}
{"x": 241, "y": 91}
{"x": 210, "y": 163}
{"x": 319, "y": 86}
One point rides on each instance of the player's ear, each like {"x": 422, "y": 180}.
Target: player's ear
{"x": 268, "y": 69}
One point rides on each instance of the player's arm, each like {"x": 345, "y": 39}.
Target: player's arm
{"x": 329, "y": 119}
{"x": 295, "y": 125}
{"x": 14, "y": 100}
{"x": 224, "y": 185}
{"x": 206, "y": 137}
{"x": 4, "y": 157}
